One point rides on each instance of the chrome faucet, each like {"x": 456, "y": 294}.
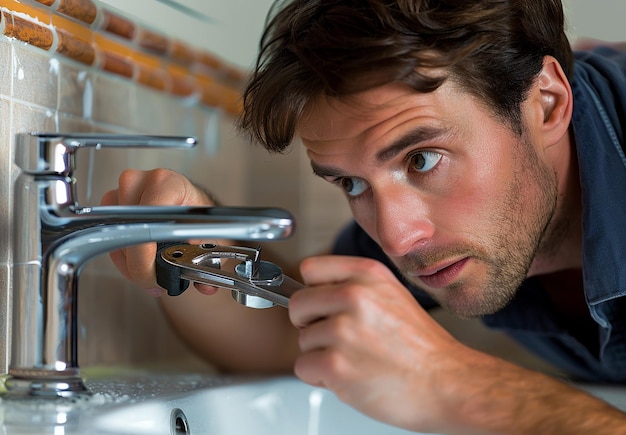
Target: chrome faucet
{"x": 55, "y": 237}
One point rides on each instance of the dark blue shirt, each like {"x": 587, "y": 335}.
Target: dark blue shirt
{"x": 599, "y": 118}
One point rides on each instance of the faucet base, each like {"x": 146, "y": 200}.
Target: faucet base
{"x": 20, "y": 387}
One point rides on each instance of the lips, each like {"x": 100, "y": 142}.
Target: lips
{"x": 441, "y": 275}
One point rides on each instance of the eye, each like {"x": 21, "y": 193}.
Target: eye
{"x": 352, "y": 186}
{"x": 424, "y": 161}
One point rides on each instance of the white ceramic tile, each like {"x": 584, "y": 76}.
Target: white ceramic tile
{"x": 75, "y": 90}
{"x": 113, "y": 100}
{"x": 34, "y": 76}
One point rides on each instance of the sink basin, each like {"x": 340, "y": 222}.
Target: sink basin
{"x": 273, "y": 407}
{"x": 195, "y": 404}
{"x": 202, "y": 404}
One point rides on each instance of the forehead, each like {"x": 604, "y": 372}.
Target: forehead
{"x": 370, "y": 113}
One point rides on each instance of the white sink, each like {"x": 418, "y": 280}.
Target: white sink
{"x": 281, "y": 406}
{"x": 204, "y": 405}
{"x": 193, "y": 404}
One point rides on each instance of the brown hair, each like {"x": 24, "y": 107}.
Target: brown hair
{"x": 493, "y": 49}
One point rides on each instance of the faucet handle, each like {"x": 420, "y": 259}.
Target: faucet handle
{"x": 54, "y": 153}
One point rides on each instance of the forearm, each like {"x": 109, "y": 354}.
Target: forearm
{"x": 500, "y": 398}
{"x": 233, "y": 337}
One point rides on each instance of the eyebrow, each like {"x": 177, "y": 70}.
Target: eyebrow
{"x": 326, "y": 171}
{"x": 412, "y": 138}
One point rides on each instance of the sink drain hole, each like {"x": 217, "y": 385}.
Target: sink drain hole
{"x": 178, "y": 423}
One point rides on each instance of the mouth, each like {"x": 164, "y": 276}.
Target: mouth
{"x": 441, "y": 275}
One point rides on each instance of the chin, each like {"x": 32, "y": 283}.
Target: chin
{"x": 470, "y": 306}
{"x": 464, "y": 312}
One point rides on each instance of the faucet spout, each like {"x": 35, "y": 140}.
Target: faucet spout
{"x": 56, "y": 237}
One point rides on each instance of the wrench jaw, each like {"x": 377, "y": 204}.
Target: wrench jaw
{"x": 253, "y": 282}
{"x": 251, "y": 301}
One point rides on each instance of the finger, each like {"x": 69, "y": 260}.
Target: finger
{"x": 137, "y": 263}
{"x": 208, "y": 290}
{"x": 155, "y": 292}
{"x": 335, "y": 284}
{"x": 110, "y": 198}
{"x": 156, "y": 187}
{"x": 131, "y": 184}
{"x": 337, "y": 268}
{"x": 320, "y": 368}
{"x": 119, "y": 260}
{"x": 328, "y": 332}
{"x": 166, "y": 187}
{"x": 144, "y": 188}
{"x": 311, "y": 304}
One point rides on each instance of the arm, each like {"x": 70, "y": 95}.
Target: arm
{"x": 233, "y": 337}
{"x": 363, "y": 336}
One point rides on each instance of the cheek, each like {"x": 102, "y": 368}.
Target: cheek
{"x": 477, "y": 197}
{"x": 469, "y": 211}
{"x": 399, "y": 177}
{"x": 364, "y": 214}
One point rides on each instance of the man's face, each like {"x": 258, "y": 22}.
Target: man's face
{"x": 455, "y": 198}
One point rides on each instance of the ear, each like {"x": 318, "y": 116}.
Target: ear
{"x": 555, "y": 101}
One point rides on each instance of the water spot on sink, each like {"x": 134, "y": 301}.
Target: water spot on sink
{"x": 315, "y": 403}
{"x": 267, "y": 404}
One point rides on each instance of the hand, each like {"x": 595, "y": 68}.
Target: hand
{"x": 363, "y": 336}
{"x": 156, "y": 187}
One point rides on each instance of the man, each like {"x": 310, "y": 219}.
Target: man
{"x": 485, "y": 171}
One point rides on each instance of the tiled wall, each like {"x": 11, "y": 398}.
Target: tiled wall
{"x": 87, "y": 32}
{"x": 69, "y": 65}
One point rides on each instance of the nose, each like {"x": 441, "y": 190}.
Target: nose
{"x": 402, "y": 222}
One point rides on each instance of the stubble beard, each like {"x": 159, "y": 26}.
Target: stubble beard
{"x": 508, "y": 253}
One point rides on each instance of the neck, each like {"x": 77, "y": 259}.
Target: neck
{"x": 561, "y": 246}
